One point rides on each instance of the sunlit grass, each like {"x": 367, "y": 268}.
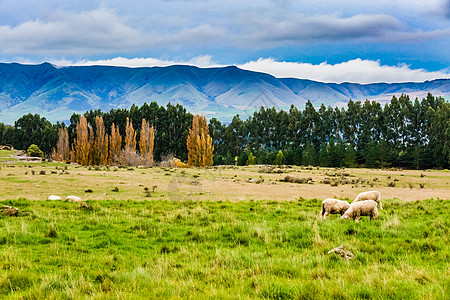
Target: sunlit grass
{"x": 215, "y": 249}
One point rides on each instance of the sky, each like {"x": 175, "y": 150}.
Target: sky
{"x": 331, "y": 41}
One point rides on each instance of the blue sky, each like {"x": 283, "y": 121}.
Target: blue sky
{"x": 331, "y": 41}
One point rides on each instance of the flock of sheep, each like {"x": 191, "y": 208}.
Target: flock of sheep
{"x": 365, "y": 204}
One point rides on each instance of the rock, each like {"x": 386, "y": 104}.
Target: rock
{"x": 340, "y": 251}
{"x": 14, "y": 211}
{"x": 85, "y": 206}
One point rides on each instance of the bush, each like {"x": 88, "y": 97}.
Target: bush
{"x": 34, "y": 151}
{"x": 279, "y": 158}
{"x": 251, "y": 159}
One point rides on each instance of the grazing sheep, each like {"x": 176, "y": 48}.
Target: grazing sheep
{"x": 361, "y": 208}
{"x": 372, "y": 195}
{"x": 53, "y": 197}
{"x": 333, "y": 206}
{"x": 73, "y": 199}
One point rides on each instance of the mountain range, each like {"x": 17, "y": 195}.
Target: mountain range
{"x": 57, "y": 92}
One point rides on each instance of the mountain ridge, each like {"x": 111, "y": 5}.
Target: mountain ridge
{"x": 56, "y": 92}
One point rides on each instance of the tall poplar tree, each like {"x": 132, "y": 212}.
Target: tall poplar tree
{"x": 129, "y": 156}
{"x": 115, "y": 144}
{"x": 101, "y": 142}
{"x": 147, "y": 142}
{"x": 62, "y": 150}
{"x": 199, "y": 143}
{"x": 81, "y": 146}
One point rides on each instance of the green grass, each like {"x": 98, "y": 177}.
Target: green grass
{"x": 212, "y": 249}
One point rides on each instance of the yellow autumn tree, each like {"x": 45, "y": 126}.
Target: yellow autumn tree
{"x": 115, "y": 144}
{"x": 62, "y": 150}
{"x": 82, "y": 146}
{"x": 146, "y": 142}
{"x": 129, "y": 156}
{"x": 199, "y": 143}
{"x": 130, "y": 136}
{"x": 101, "y": 142}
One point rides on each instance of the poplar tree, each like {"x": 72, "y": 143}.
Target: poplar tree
{"x": 115, "y": 144}
{"x": 146, "y": 142}
{"x": 130, "y": 137}
{"x": 82, "y": 147}
{"x": 62, "y": 150}
{"x": 101, "y": 142}
{"x": 199, "y": 143}
{"x": 129, "y": 156}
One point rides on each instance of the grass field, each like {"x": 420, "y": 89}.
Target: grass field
{"x": 217, "y": 234}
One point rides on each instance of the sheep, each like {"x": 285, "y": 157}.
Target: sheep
{"x": 53, "y": 197}
{"x": 333, "y": 206}
{"x": 73, "y": 199}
{"x": 372, "y": 195}
{"x": 361, "y": 208}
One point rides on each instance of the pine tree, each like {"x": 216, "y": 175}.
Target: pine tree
{"x": 309, "y": 156}
{"x": 199, "y": 143}
{"x": 146, "y": 142}
{"x": 349, "y": 160}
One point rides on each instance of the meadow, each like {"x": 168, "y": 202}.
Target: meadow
{"x": 219, "y": 233}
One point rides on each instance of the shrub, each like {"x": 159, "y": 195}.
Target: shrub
{"x": 251, "y": 159}
{"x": 279, "y": 158}
{"x": 34, "y": 151}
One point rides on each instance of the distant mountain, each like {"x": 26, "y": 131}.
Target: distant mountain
{"x": 216, "y": 92}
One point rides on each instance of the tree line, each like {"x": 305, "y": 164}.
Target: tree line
{"x": 402, "y": 133}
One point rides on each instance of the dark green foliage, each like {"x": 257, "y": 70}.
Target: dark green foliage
{"x": 403, "y": 133}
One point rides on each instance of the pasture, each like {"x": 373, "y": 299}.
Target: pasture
{"x": 220, "y": 233}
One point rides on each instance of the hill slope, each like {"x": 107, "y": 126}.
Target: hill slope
{"x": 221, "y": 92}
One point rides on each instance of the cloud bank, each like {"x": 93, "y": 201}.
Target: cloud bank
{"x": 102, "y": 31}
{"x": 356, "y": 71}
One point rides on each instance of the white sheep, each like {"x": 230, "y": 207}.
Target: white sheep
{"x": 361, "y": 208}
{"x": 333, "y": 206}
{"x": 53, "y": 197}
{"x": 371, "y": 195}
{"x": 73, "y": 199}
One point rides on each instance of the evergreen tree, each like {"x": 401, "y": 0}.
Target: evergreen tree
{"x": 309, "y": 156}
{"x": 349, "y": 160}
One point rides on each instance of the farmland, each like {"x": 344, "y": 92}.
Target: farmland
{"x": 222, "y": 232}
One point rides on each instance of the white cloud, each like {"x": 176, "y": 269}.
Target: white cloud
{"x": 357, "y": 70}
{"x": 70, "y": 34}
{"x": 202, "y": 61}
{"x": 102, "y": 31}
